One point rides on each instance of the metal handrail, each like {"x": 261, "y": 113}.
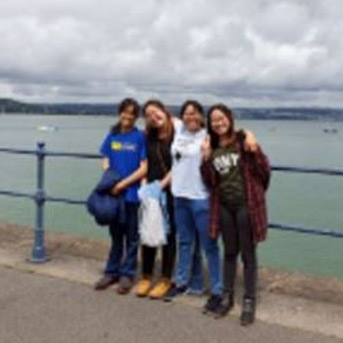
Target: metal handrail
{"x": 300, "y": 229}
{"x": 50, "y": 153}
{"x": 38, "y": 250}
{"x": 324, "y": 171}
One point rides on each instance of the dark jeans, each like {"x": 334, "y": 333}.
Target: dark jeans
{"x": 237, "y": 237}
{"x": 168, "y": 250}
{"x": 122, "y": 258}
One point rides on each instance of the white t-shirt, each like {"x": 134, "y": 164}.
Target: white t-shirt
{"x": 186, "y": 153}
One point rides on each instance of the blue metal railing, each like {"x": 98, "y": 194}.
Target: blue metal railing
{"x": 38, "y": 250}
{"x": 323, "y": 171}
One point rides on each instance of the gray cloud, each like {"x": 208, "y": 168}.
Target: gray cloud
{"x": 244, "y": 52}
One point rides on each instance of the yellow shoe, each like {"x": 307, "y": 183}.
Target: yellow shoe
{"x": 143, "y": 287}
{"x": 161, "y": 289}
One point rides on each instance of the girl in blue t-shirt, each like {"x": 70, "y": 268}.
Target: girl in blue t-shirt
{"x": 124, "y": 151}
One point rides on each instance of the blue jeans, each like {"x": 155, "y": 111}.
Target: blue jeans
{"x": 191, "y": 218}
{"x": 123, "y": 262}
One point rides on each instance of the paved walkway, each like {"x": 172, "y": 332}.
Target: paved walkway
{"x": 55, "y": 302}
{"x": 40, "y": 309}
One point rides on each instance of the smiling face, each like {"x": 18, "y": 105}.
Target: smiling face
{"x": 155, "y": 117}
{"x": 220, "y": 123}
{"x": 127, "y": 118}
{"x": 192, "y": 119}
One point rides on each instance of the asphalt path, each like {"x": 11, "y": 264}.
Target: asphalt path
{"x": 40, "y": 309}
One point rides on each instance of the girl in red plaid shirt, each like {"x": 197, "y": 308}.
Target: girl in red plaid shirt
{"x": 237, "y": 174}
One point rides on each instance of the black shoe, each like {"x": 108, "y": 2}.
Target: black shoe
{"x": 212, "y": 305}
{"x": 248, "y": 312}
{"x": 173, "y": 292}
{"x": 225, "y": 306}
{"x": 105, "y": 282}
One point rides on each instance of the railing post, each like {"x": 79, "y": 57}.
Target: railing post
{"x": 38, "y": 249}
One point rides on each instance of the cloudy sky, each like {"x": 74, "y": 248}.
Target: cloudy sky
{"x": 242, "y": 52}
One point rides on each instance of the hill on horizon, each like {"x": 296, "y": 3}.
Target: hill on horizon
{"x": 11, "y": 106}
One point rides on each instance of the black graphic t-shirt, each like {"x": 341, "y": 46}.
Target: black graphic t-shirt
{"x": 231, "y": 187}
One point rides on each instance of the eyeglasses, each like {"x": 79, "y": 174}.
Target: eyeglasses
{"x": 217, "y": 122}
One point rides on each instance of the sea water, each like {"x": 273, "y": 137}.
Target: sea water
{"x": 293, "y": 198}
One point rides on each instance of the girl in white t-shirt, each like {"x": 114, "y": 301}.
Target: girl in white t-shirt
{"x": 191, "y": 204}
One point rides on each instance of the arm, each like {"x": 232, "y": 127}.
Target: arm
{"x": 250, "y": 141}
{"x": 105, "y": 163}
{"x": 132, "y": 178}
{"x": 105, "y": 151}
{"x": 208, "y": 174}
{"x": 176, "y": 121}
{"x": 257, "y": 159}
{"x": 261, "y": 166}
{"x": 165, "y": 182}
{"x": 206, "y": 168}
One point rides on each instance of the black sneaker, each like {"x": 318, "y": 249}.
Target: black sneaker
{"x": 174, "y": 291}
{"x": 225, "y": 306}
{"x": 212, "y": 304}
{"x": 248, "y": 311}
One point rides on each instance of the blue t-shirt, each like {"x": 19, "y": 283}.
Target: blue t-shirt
{"x": 125, "y": 152}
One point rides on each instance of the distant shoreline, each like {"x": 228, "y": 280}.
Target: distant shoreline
{"x": 329, "y": 119}
{"x": 10, "y": 107}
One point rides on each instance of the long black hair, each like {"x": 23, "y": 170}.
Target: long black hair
{"x": 228, "y": 114}
{"x": 124, "y": 105}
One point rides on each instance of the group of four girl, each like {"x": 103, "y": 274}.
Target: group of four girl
{"x": 215, "y": 182}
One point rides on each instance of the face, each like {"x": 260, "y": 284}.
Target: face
{"x": 155, "y": 117}
{"x": 192, "y": 119}
{"x": 127, "y": 118}
{"x": 220, "y": 123}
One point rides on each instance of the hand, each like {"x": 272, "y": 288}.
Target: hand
{"x": 117, "y": 189}
{"x": 105, "y": 163}
{"x": 250, "y": 142}
{"x": 205, "y": 148}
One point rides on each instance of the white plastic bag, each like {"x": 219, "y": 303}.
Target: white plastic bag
{"x": 151, "y": 225}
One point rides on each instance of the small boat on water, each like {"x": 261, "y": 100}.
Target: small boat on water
{"x": 330, "y": 130}
{"x": 47, "y": 128}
